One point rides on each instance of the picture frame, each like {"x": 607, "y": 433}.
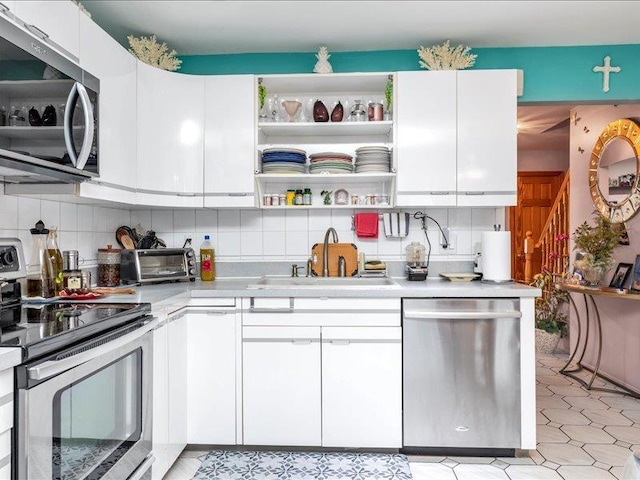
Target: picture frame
{"x": 635, "y": 276}
{"x": 619, "y": 278}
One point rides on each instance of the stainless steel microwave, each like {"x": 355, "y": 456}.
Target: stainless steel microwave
{"x": 48, "y": 112}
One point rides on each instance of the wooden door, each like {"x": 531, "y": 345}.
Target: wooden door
{"x": 536, "y": 194}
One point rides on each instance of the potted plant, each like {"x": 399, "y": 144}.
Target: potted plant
{"x": 388, "y": 99}
{"x": 550, "y": 313}
{"x": 594, "y": 246}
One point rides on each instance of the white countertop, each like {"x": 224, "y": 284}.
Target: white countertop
{"x": 237, "y": 287}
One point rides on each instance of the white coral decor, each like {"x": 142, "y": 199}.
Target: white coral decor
{"x": 444, "y": 57}
{"x": 148, "y": 50}
{"x": 323, "y": 65}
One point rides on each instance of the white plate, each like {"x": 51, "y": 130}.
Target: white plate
{"x": 284, "y": 150}
{"x": 460, "y": 277}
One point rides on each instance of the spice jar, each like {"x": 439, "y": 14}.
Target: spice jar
{"x": 298, "y": 199}
{"x": 108, "y": 267}
{"x": 71, "y": 274}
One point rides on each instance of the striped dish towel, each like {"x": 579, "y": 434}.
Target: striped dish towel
{"x": 396, "y": 225}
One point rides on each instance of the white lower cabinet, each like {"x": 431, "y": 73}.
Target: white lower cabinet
{"x": 177, "y": 356}
{"x": 211, "y": 375}
{"x": 362, "y": 387}
{"x": 160, "y": 436}
{"x": 169, "y": 392}
{"x": 322, "y": 372}
{"x": 281, "y": 385}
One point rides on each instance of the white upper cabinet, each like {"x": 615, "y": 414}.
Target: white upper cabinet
{"x": 7, "y": 8}
{"x": 54, "y": 21}
{"x": 170, "y": 137}
{"x": 487, "y": 137}
{"x": 456, "y": 138}
{"x": 229, "y": 140}
{"x": 103, "y": 57}
{"x": 426, "y": 138}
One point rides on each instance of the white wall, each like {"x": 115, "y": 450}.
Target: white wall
{"x": 237, "y": 235}
{"x": 543, "y": 160}
{"x": 621, "y": 330}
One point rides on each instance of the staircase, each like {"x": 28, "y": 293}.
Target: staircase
{"x": 554, "y": 239}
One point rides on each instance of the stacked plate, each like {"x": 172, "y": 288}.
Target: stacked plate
{"x": 283, "y": 160}
{"x": 373, "y": 160}
{"x": 330, "y": 162}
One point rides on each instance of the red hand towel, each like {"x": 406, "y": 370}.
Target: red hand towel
{"x": 366, "y": 225}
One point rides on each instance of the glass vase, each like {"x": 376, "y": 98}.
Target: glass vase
{"x": 594, "y": 273}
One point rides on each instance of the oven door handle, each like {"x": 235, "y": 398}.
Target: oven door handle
{"x": 55, "y": 367}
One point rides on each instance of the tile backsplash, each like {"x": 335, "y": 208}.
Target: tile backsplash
{"x": 239, "y": 235}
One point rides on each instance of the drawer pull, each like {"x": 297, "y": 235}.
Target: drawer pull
{"x": 301, "y": 341}
{"x": 36, "y": 31}
{"x": 217, "y": 312}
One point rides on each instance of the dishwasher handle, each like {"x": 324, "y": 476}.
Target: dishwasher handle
{"x": 453, "y": 315}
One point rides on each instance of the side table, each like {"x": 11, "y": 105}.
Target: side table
{"x": 589, "y": 294}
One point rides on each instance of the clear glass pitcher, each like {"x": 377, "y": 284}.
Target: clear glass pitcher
{"x": 40, "y": 272}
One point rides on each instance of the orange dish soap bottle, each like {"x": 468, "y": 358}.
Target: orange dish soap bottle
{"x": 207, "y": 261}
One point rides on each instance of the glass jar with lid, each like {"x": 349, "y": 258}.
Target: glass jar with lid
{"x": 415, "y": 254}
{"x": 108, "y": 267}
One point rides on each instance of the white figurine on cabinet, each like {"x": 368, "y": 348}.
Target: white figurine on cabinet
{"x": 323, "y": 65}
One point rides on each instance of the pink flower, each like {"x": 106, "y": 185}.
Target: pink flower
{"x": 561, "y": 237}
{"x": 553, "y": 255}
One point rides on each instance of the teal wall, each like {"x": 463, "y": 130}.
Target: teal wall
{"x": 551, "y": 74}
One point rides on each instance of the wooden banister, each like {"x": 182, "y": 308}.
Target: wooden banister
{"x": 554, "y": 238}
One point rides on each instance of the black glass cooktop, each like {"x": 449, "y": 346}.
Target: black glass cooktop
{"x": 45, "y": 328}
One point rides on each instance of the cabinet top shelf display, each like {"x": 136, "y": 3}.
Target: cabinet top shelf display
{"x": 325, "y": 83}
{"x": 341, "y": 129}
{"x": 320, "y": 179}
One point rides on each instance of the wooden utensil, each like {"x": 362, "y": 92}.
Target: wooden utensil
{"x": 127, "y": 242}
{"x": 114, "y": 291}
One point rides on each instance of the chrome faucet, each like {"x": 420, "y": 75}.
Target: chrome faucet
{"x": 325, "y": 250}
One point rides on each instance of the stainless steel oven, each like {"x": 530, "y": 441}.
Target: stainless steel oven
{"x": 85, "y": 411}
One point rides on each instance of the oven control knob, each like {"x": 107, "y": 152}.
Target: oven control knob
{"x": 192, "y": 271}
{"x": 192, "y": 262}
{"x": 7, "y": 258}
{"x": 190, "y": 253}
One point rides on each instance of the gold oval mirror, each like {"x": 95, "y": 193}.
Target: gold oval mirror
{"x": 613, "y": 171}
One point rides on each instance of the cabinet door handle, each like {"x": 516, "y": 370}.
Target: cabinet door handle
{"x": 301, "y": 341}
{"x": 217, "y": 312}
{"x": 474, "y": 193}
{"x": 36, "y": 31}
{"x": 239, "y": 194}
{"x": 255, "y": 309}
{"x": 4, "y": 9}
{"x": 438, "y": 193}
{"x": 339, "y": 342}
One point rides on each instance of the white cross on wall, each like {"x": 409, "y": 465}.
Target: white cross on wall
{"x": 606, "y": 69}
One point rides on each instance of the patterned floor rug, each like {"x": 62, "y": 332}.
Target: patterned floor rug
{"x": 232, "y": 465}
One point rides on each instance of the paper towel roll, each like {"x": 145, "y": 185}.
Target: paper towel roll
{"x": 496, "y": 256}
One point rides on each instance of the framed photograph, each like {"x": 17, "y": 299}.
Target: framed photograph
{"x": 635, "y": 276}
{"x": 620, "y": 277}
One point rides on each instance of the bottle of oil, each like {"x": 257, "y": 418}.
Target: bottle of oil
{"x": 207, "y": 261}
{"x": 56, "y": 258}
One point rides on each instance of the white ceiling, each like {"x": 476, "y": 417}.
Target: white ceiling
{"x": 214, "y": 27}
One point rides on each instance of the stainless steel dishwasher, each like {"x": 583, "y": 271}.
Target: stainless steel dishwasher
{"x": 461, "y": 375}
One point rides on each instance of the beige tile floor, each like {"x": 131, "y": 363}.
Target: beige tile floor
{"x": 582, "y": 435}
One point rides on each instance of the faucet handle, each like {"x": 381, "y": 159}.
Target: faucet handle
{"x": 294, "y": 270}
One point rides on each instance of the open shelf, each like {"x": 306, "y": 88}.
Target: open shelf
{"x": 44, "y": 89}
{"x": 48, "y": 133}
{"x": 324, "y": 179}
{"x": 338, "y": 129}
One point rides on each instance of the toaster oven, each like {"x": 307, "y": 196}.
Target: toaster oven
{"x": 157, "y": 265}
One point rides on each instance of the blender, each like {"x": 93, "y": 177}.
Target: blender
{"x": 416, "y": 267}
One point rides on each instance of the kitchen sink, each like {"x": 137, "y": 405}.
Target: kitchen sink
{"x": 273, "y": 282}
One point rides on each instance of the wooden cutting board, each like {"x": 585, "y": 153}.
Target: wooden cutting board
{"x": 348, "y": 250}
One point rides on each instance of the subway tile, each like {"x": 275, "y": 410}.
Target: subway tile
{"x": 85, "y": 218}
{"x": 161, "y": 221}
{"x": 250, "y": 244}
{"x": 228, "y": 220}
{"x": 28, "y": 212}
{"x": 274, "y": 243}
{"x": 50, "y": 213}
{"x": 142, "y": 217}
{"x": 8, "y": 212}
{"x": 69, "y": 217}
{"x": 273, "y": 221}
{"x": 251, "y": 221}
{"x": 483, "y": 218}
{"x": 206, "y": 221}
{"x": 459, "y": 218}
{"x": 184, "y": 220}
{"x": 296, "y": 221}
{"x": 99, "y": 219}
{"x": 228, "y": 244}
{"x": 296, "y": 243}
